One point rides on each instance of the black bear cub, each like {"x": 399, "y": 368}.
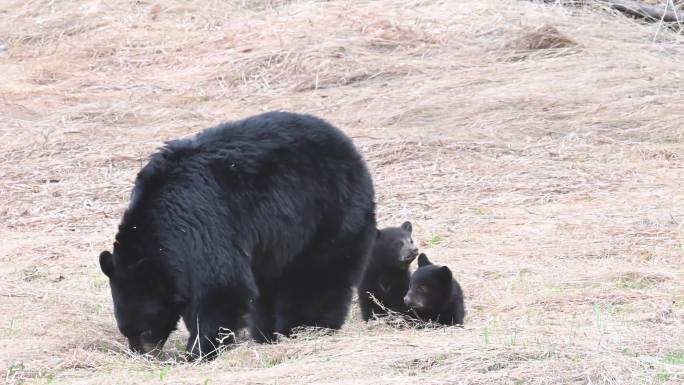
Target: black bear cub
{"x": 387, "y": 274}
{"x": 271, "y": 216}
{"x": 434, "y": 295}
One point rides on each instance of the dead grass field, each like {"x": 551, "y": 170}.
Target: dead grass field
{"x": 537, "y": 149}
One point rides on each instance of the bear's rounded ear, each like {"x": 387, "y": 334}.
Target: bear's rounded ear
{"x": 423, "y": 260}
{"x": 106, "y": 263}
{"x": 407, "y": 226}
{"x": 445, "y": 273}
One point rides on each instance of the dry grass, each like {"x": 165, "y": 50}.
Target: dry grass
{"x": 537, "y": 150}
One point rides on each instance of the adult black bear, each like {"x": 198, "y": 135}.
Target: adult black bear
{"x": 387, "y": 275}
{"x": 273, "y": 214}
{"x": 434, "y": 295}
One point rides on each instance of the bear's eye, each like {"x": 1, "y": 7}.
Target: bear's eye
{"x": 422, "y": 289}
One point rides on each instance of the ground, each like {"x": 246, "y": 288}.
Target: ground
{"x": 536, "y": 149}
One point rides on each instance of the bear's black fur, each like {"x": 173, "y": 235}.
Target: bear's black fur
{"x": 272, "y": 215}
{"x": 434, "y": 295}
{"x": 387, "y": 275}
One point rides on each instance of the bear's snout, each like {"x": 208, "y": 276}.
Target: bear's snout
{"x": 412, "y": 254}
{"x": 136, "y": 346}
{"x": 412, "y": 302}
{"x": 144, "y": 344}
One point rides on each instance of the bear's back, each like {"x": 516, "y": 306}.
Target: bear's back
{"x": 250, "y": 144}
{"x": 269, "y": 184}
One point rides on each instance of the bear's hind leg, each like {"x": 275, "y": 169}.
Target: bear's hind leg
{"x": 316, "y": 306}
{"x": 317, "y": 289}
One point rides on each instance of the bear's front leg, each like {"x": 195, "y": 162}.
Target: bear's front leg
{"x": 213, "y": 323}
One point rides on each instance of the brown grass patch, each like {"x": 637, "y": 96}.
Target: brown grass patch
{"x": 540, "y": 38}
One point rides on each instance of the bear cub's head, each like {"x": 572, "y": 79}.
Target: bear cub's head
{"x": 430, "y": 286}
{"x": 394, "y": 247}
{"x": 142, "y": 310}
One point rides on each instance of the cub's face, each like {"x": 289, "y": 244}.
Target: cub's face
{"x": 395, "y": 246}
{"x": 142, "y": 315}
{"x": 430, "y": 286}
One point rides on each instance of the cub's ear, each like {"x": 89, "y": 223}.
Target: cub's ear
{"x": 445, "y": 273}
{"x": 407, "y": 226}
{"x": 423, "y": 260}
{"x": 106, "y": 263}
